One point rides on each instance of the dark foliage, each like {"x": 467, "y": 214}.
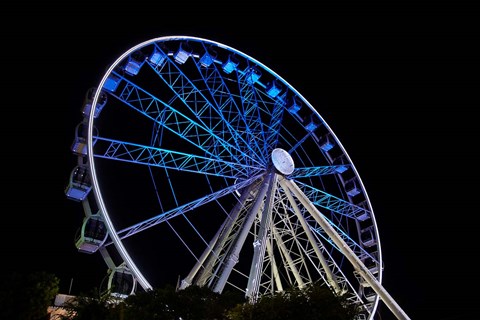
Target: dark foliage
{"x": 27, "y": 296}
{"x": 200, "y": 303}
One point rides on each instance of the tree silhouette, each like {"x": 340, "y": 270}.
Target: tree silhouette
{"x": 27, "y": 296}
{"x": 200, "y": 303}
{"x": 93, "y": 306}
{"x": 312, "y": 302}
{"x": 191, "y": 303}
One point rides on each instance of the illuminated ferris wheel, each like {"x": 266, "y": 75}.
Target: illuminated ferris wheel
{"x": 199, "y": 162}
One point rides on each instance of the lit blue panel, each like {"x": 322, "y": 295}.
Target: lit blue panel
{"x": 208, "y": 58}
{"x": 112, "y": 83}
{"x": 76, "y": 193}
{"x": 158, "y": 58}
{"x": 352, "y": 188}
{"x": 184, "y": 51}
{"x": 353, "y": 192}
{"x": 132, "y": 67}
{"x": 312, "y": 126}
{"x": 273, "y": 89}
{"x": 252, "y": 75}
{"x": 294, "y": 106}
{"x": 326, "y": 143}
{"x": 231, "y": 64}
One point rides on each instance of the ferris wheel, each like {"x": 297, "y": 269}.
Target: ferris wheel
{"x": 198, "y": 162}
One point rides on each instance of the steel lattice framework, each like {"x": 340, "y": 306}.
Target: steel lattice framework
{"x": 191, "y": 138}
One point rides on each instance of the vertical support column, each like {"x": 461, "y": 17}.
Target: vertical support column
{"x": 256, "y": 268}
{"x": 203, "y": 266}
{"x": 232, "y": 258}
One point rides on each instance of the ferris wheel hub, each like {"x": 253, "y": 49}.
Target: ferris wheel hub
{"x": 282, "y": 161}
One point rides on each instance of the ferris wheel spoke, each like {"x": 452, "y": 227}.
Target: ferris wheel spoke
{"x": 186, "y": 91}
{"x": 352, "y": 244}
{"x": 332, "y": 203}
{"x": 274, "y": 127}
{"x": 145, "y": 155}
{"x": 254, "y": 107}
{"x": 168, "y": 117}
{"x": 182, "y": 209}
{"x": 228, "y": 103}
{"x": 318, "y": 171}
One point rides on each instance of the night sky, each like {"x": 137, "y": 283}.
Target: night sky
{"x": 396, "y": 84}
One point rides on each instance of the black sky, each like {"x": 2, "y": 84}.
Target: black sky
{"x": 397, "y": 84}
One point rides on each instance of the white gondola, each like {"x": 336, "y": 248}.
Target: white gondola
{"x": 121, "y": 282}
{"x": 79, "y": 145}
{"x": 88, "y": 102}
{"x": 91, "y": 235}
{"x": 183, "y": 53}
{"x": 79, "y": 184}
{"x": 369, "y": 294}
